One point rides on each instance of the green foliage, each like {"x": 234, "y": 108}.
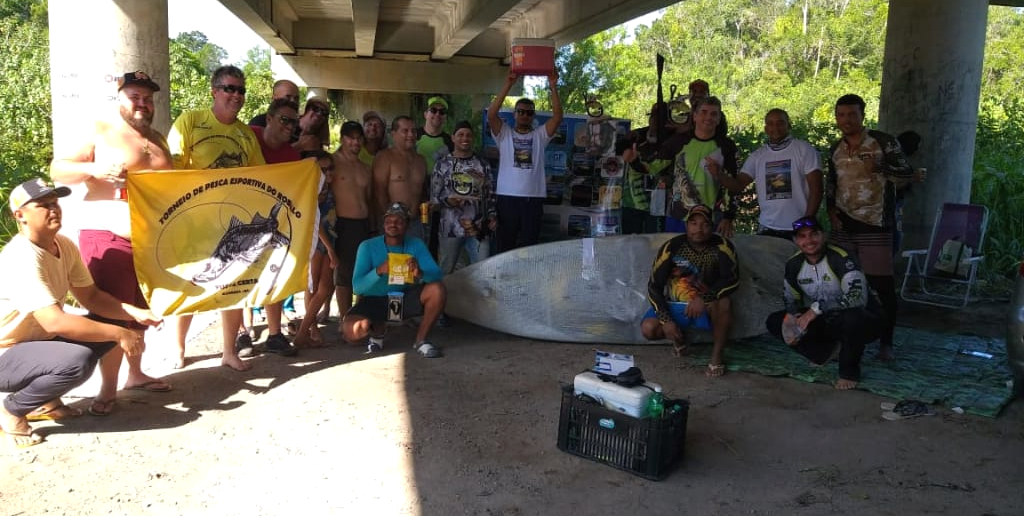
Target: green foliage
{"x": 24, "y": 99}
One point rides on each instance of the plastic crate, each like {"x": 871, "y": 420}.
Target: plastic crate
{"x": 646, "y": 447}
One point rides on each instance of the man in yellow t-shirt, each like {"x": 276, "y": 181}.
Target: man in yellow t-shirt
{"x": 216, "y": 138}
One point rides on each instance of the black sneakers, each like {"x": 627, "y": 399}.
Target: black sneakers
{"x": 279, "y": 344}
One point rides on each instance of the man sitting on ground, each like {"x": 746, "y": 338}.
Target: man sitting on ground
{"x": 50, "y": 351}
{"x": 376, "y": 275}
{"x": 828, "y": 304}
{"x": 697, "y": 268}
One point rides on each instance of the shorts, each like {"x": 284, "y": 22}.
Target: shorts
{"x": 351, "y": 233}
{"x": 375, "y": 308}
{"x": 678, "y": 312}
{"x": 109, "y": 260}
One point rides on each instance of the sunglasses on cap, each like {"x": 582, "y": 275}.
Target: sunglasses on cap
{"x": 231, "y": 89}
{"x": 438, "y": 111}
{"x": 806, "y": 222}
{"x": 525, "y": 112}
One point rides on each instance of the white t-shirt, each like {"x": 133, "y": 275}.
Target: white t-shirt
{"x": 779, "y": 177}
{"x": 521, "y": 162}
{"x": 35, "y": 279}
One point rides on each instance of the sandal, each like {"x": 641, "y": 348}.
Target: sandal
{"x": 678, "y": 350}
{"x": 54, "y": 414}
{"x": 101, "y": 408}
{"x": 427, "y": 350}
{"x": 715, "y": 370}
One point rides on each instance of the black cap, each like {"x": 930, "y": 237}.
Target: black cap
{"x": 463, "y": 124}
{"x": 34, "y": 189}
{"x": 352, "y": 129}
{"x": 136, "y": 78}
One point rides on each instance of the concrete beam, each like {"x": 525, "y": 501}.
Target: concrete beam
{"x": 364, "y": 17}
{"x": 456, "y": 23}
{"x": 271, "y": 21}
{"x": 572, "y": 20}
{"x": 386, "y": 75}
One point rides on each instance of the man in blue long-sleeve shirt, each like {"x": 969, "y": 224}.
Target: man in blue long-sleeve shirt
{"x": 376, "y": 280}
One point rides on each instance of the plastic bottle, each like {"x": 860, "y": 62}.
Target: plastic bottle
{"x": 656, "y": 404}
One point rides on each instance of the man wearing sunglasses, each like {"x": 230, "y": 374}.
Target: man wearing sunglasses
{"x": 283, "y": 89}
{"x": 314, "y": 130}
{"x": 433, "y": 143}
{"x": 216, "y": 138}
{"x": 522, "y": 185}
{"x": 275, "y": 143}
{"x": 101, "y": 165}
{"x": 830, "y": 309}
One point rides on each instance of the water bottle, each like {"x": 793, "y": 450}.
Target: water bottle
{"x": 656, "y": 404}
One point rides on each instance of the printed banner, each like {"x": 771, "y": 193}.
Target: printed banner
{"x": 227, "y": 238}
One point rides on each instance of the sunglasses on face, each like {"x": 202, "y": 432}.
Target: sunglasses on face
{"x": 287, "y": 121}
{"x": 525, "y": 112}
{"x": 805, "y": 222}
{"x": 231, "y": 89}
{"x": 320, "y": 111}
{"x": 439, "y": 111}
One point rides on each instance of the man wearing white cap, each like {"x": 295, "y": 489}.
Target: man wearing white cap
{"x": 44, "y": 351}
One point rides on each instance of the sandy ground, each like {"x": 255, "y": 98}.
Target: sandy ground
{"x": 337, "y": 432}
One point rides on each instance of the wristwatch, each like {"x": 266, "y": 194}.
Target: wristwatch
{"x": 816, "y": 308}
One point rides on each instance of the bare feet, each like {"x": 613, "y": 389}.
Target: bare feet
{"x": 715, "y": 370}
{"x": 235, "y": 363}
{"x": 17, "y": 430}
{"x": 886, "y": 353}
{"x": 181, "y": 363}
{"x": 845, "y": 385}
{"x": 102, "y": 408}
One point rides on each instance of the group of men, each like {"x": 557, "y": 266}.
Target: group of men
{"x": 849, "y": 283}
{"x": 372, "y": 190}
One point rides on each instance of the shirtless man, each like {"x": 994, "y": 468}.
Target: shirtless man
{"x": 352, "y": 201}
{"x": 399, "y": 173}
{"x": 102, "y": 163}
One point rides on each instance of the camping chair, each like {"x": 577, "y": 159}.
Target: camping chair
{"x": 964, "y": 223}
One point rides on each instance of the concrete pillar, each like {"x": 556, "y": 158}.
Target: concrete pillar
{"x": 314, "y": 91}
{"x": 91, "y": 43}
{"x": 931, "y": 84}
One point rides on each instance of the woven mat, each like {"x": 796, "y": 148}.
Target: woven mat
{"x": 929, "y": 367}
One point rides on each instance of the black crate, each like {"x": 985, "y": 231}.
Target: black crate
{"x": 647, "y": 447}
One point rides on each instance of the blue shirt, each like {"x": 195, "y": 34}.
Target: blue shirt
{"x": 373, "y": 252}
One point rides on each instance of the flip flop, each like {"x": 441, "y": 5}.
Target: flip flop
{"x": 33, "y": 438}
{"x": 905, "y": 409}
{"x": 101, "y": 408}
{"x": 151, "y": 386}
{"x": 55, "y": 414}
{"x": 715, "y": 370}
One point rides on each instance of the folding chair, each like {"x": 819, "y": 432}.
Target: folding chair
{"x": 923, "y": 283}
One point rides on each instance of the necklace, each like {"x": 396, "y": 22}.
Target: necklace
{"x": 145, "y": 149}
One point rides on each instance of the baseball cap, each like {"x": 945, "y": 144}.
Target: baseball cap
{"x": 437, "y": 100}
{"x": 136, "y": 78}
{"x": 699, "y": 209}
{"x": 351, "y": 129}
{"x": 319, "y": 102}
{"x": 463, "y": 124}
{"x": 373, "y": 114}
{"x": 807, "y": 222}
{"x": 34, "y": 189}
{"x": 399, "y": 209}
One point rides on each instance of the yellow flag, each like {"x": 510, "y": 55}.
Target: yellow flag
{"x": 224, "y": 238}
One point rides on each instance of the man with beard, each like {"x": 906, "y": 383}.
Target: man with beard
{"x": 374, "y": 137}
{"x": 400, "y": 173}
{"x": 829, "y": 308}
{"x": 216, "y": 138}
{"x": 101, "y": 164}
{"x": 522, "y": 186}
{"x": 699, "y": 270}
{"x": 786, "y": 173}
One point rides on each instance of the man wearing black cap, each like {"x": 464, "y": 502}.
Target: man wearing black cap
{"x": 115, "y": 148}
{"x": 829, "y": 304}
{"x": 352, "y": 206}
{"x": 395, "y": 278}
{"x": 44, "y": 351}
{"x": 692, "y": 277}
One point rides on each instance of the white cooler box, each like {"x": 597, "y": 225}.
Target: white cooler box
{"x": 631, "y": 401}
